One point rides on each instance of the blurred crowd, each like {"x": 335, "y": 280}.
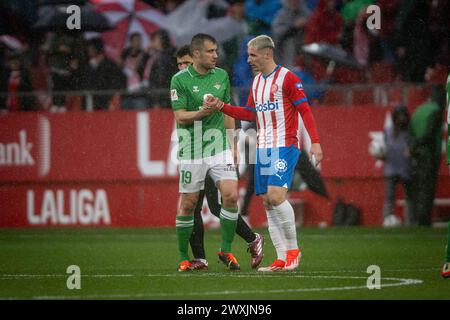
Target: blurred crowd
{"x": 411, "y": 46}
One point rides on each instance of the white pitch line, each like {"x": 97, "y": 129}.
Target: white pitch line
{"x": 202, "y": 274}
{"x": 401, "y": 282}
{"x": 25, "y": 276}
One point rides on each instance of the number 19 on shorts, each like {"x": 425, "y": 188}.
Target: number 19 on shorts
{"x": 186, "y": 177}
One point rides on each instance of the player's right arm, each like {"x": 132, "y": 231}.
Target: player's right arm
{"x": 184, "y": 117}
{"x": 179, "y": 105}
{"x": 247, "y": 113}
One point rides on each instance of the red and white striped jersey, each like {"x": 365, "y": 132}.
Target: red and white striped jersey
{"x": 277, "y": 99}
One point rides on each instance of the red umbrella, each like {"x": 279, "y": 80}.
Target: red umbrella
{"x": 128, "y": 16}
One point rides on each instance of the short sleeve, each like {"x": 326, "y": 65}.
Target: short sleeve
{"x": 250, "y": 100}
{"x": 178, "y": 97}
{"x": 293, "y": 89}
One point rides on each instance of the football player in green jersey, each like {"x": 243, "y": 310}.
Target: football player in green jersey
{"x": 203, "y": 146}
{"x": 254, "y": 240}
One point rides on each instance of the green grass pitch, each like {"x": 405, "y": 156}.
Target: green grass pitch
{"x": 141, "y": 264}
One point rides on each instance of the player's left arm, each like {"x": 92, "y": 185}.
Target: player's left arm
{"x": 229, "y": 121}
{"x": 294, "y": 89}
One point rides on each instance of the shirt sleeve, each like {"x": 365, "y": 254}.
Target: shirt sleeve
{"x": 293, "y": 89}
{"x": 250, "y": 101}
{"x": 247, "y": 113}
{"x": 178, "y": 97}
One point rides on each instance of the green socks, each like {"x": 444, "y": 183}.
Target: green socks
{"x": 228, "y": 221}
{"x": 184, "y": 226}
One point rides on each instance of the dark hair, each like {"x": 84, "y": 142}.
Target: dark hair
{"x": 398, "y": 111}
{"x": 199, "y": 39}
{"x": 97, "y": 43}
{"x": 164, "y": 36}
{"x": 135, "y": 34}
{"x": 183, "y": 51}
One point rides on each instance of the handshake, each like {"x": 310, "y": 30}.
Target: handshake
{"x": 211, "y": 104}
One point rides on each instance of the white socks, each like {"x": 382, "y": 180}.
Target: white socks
{"x": 286, "y": 222}
{"x": 276, "y": 234}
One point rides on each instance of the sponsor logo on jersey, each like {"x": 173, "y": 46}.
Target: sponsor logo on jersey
{"x": 173, "y": 94}
{"x": 195, "y": 89}
{"x": 299, "y": 85}
{"x": 267, "y": 106}
{"x": 217, "y": 86}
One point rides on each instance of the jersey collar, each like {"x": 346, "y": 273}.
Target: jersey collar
{"x": 194, "y": 73}
{"x": 274, "y": 70}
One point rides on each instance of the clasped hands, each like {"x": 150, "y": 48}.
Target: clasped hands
{"x": 211, "y": 104}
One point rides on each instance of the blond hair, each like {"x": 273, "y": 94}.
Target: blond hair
{"x": 261, "y": 42}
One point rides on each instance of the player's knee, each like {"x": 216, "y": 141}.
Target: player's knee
{"x": 230, "y": 197}
{"x": 275, "y": 199}
{"x": 187, "y": 207}
{"x": 266, "y": 204}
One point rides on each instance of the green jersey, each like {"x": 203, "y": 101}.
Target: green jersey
{"x": 448, "y": 119}
{"x": 207, "y": 137}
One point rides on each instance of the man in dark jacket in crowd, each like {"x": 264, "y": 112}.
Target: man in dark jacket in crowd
{"x": 101, "y": 74}
{"x": 15, "y": 86}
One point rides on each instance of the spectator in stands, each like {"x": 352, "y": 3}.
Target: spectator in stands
{"x": 389, "y": 9}
{"x": 260, "y": 15}
{"x": 324, "y": 24}
{"x": 77, "y": 74}
{"x": 439, "y": 32}
{"x": 232, "y": 48}
{"x": 101, "y": 74}
{"x": 61, "y": 51}
{"x": 315, "y": 90}
{"x": 287, "y": 30}
{"x": 242, "y": 75}
{"x": 413, "y": 45}
{"x": 351, "y": 9}
{"x": 15, "y": 81}
{"x": 366, "y": 42}
{"x": 159, "y": 67}
{"x": 130, "y": 61}
{"x": 311, "y": 4}
{"x": 397, "y": 168}
{"x": 426, "y": 151}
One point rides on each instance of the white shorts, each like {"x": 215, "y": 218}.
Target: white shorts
{"x": 193, "y": 172}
